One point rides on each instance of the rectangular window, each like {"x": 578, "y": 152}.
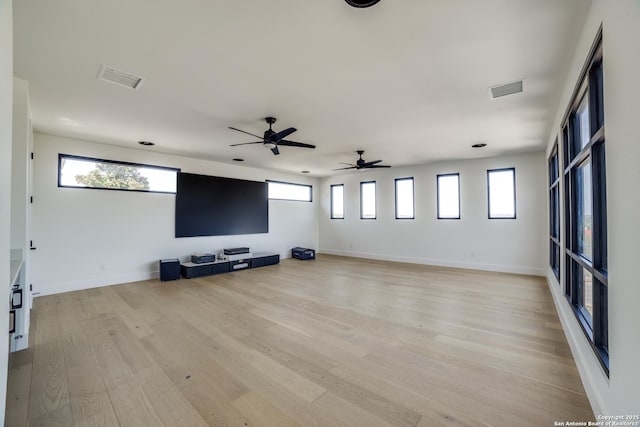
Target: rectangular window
{"x": 404, "y": 198}
{"x": 585, "y": 199}
{"x": 87, "y": 172}
{"x": 501, "y": 184}
{"x": 584, "y": 211}
{"x": 587, "y": 293}
{"x": 554, "y": 212}
{"x": 448, "y": 196}
{"x": 337, "y": 201}
{"x": 368, "y": 200}
{"x": 289, "y": 191}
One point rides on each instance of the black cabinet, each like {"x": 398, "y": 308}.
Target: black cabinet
{"x": 190, "y": 270}
{"x": 240, "y": 264}
{"x": 264, "y": 260}
{"x": 169, "y": 269}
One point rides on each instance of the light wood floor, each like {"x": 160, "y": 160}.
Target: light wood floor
{"x": 335, "y": 341}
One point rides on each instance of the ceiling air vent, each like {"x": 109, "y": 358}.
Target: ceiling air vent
{"x": 121, "y": 78}
{"x": 506, "y": 89}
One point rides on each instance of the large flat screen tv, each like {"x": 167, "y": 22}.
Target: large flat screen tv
{"x": 217, "y": 206}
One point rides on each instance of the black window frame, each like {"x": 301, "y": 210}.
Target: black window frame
{"x": 515, "y": 205}
{"x": 555, "y": 238}
{"x": 413, "y": 197}
{"x": 438, "y": 197}
{"x": 331, "y": 196}
{"x": 295, "y": 184}
{"x": 595, "y": 326}
{"x": 62, "y": 156}
{"x": 375, "y": 205}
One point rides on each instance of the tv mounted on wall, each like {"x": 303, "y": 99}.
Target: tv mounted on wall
{"x": 218, "y": 206}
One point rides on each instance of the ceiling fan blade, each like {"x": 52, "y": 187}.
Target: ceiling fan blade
{"x": 275, "y": 151}
{"x": 277, "y": 137}
{"x": 295, "y": 144}
{"x": 348, "y": 164}
{"x": 377, "y": 166}
{"x": 239, "y": 130}
{"x": 368, "y": 164}
{"x": 341, "y": 169}
{"x": 247, "y": 143}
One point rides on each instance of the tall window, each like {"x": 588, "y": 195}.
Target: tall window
{"x": 337, "y": 201}
{"x": 554, "y": 212}
{"x": 404, "y": 198}
{"x": 585, "y": 199}
{"x": 290, "y": 191}
{"x": 448, "y": 196}
{"x": 501, "y": 185}
{"x": 368, "y": 200}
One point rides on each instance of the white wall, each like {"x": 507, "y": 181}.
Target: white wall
{"x": 19, "y": 168}
{"x": 619, "y": 394}
{"x": 88, "y": 238}
{"x": 474, "y": 241}
{"x": 6, "y": 107}
{"x": 20, "y": 208}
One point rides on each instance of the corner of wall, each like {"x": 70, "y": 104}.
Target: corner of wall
{"x": 6, "y": 119}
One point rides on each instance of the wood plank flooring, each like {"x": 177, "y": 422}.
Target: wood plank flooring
{"x": 331, "y": 342}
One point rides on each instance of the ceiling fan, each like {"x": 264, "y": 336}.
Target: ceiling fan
{"x": 273, "y": 139}
{"x": 362, "y": 164}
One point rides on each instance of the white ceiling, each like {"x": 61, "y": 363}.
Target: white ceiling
{"x": 407, "y": 81}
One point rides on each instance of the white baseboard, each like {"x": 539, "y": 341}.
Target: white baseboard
{"x": 98, "y": 282}
{"x": 441, "y": 263}
{"x": 588, "y": 366}
{"x": 95, "y": 282}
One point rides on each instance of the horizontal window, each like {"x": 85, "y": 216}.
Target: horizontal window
{"x": 289, "y": 191}
{"x": 87, "y": 172}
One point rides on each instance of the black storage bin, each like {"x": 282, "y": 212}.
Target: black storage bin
{"x": 303, "y": 253}
{"x": 169, "y": 269}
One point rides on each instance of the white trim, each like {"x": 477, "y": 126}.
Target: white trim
{"x": 586, "y": 361}
{"x": 96, "y": 282}
{"x": 441, "y": 263}
{"x": 111, "y": 280}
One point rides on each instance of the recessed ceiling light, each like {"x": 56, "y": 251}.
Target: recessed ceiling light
{"x": 480, "y": 145}
{"x": 238, "y": 160}
{"x": 305, "y": 171}
{"x": 362, "y": 3}
{"x": 146, "y": 143}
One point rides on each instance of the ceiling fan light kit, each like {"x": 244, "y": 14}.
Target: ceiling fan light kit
{"x": 361, "y": 3}
{"x": 362, "y": 164}
{"x": 272, "y": 139}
